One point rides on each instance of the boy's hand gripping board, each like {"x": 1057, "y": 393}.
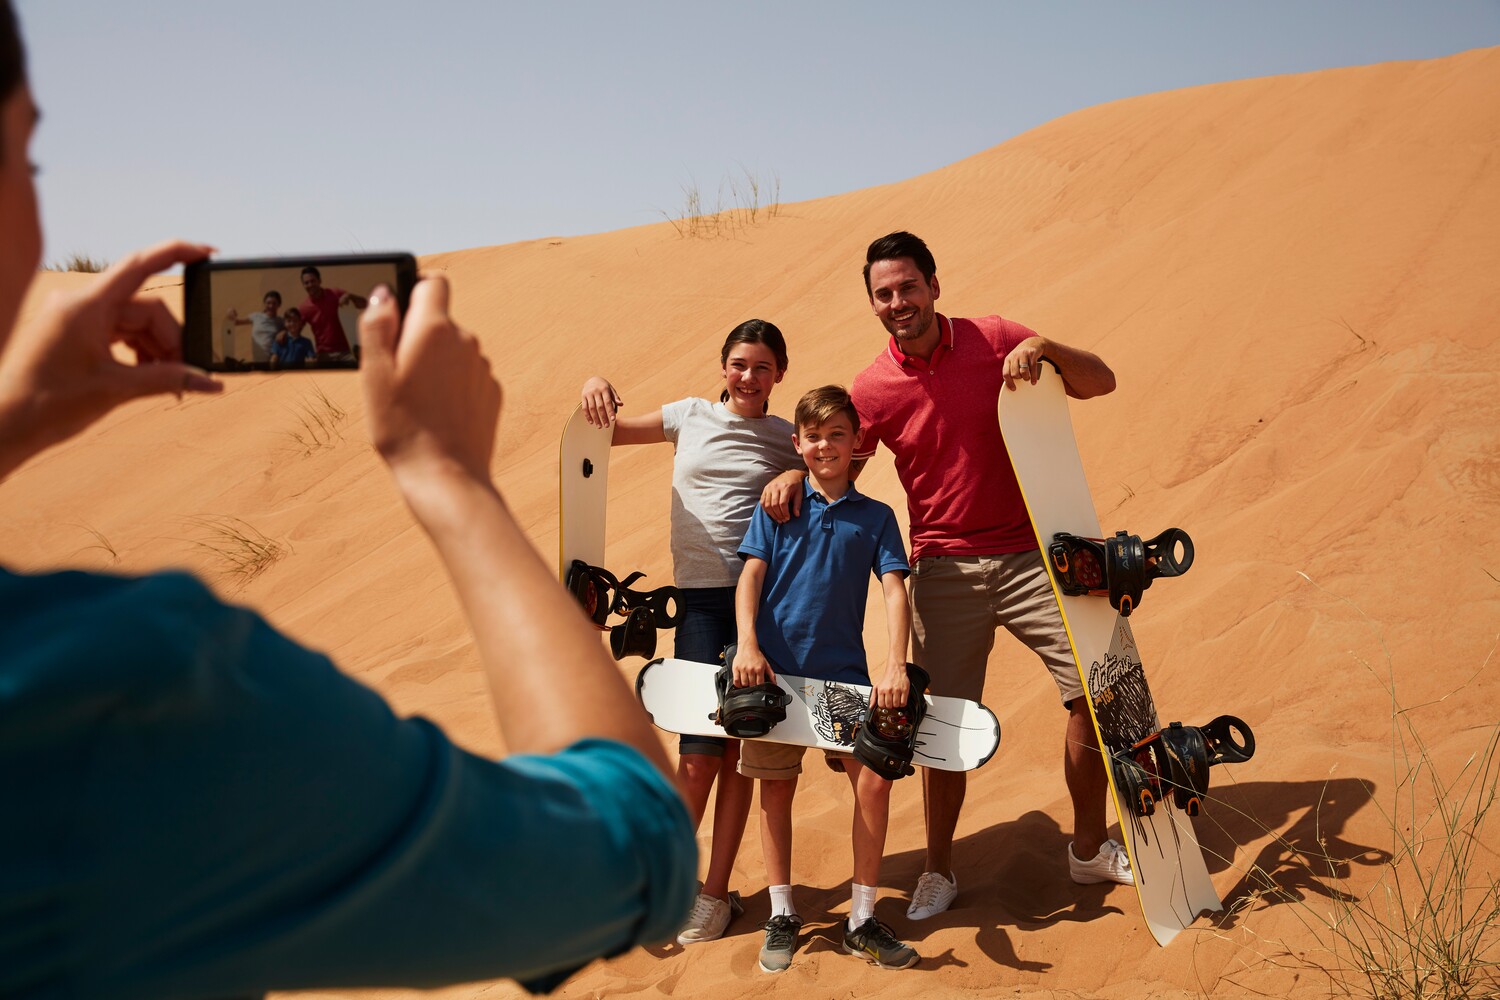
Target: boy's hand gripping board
{"x": 680, "y": 697}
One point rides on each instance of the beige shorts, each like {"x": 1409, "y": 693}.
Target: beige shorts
{"x": 778, "y": 761}
{"x": 957, "y": 602}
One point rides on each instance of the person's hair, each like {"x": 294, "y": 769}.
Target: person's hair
{"x": 294, "y": 311}
{"x": 894, "y": 246}
{"x": 755, "y": 331}
{"x": 820, "y": 405}
{"x": 12, "y": 56}
{"x": 271, "y": 294}
{"x": 309, "y": 269}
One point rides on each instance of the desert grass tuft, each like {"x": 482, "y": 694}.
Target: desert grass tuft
{"x": 80, "y": 262}
{"x": 751, "y": 199}
{"x": 318, "y": 419}
{"x": 1428, "y": 926}
{"x": 240, "y": 551}
{"x": 101, "y": 543}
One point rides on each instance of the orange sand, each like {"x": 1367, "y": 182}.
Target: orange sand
{"x": 1295, "y": 282}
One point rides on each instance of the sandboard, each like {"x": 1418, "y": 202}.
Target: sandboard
{"x": 583, "y": 492}
{"x": 1171, "y": 876}
{"x": 679, "y": 695}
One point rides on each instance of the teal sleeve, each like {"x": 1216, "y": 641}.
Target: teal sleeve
{"x": 208, "y": 809}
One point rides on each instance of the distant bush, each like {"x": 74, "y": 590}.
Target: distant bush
{"x": 80, "y": 262}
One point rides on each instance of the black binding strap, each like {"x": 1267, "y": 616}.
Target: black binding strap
{"x": 886, "y": 741}
{"x": 747, "y": 712}
{"x": 1120, "y": 568}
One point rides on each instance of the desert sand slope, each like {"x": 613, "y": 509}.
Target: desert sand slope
{"x": 1294, "y": 279}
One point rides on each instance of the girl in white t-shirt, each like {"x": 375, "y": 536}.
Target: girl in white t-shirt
{"x": 725, "y": 454}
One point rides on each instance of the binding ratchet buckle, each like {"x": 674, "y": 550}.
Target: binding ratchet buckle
{"x": 1177, "y": 760}
{"x": 887, "y": 739}
{"x": 600, "y": 594}
{"x": 747, "y": 712}
{"x": 1121, "y": 567}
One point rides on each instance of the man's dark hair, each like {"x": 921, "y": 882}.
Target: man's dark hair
{"x": 12, "y": 55}
{"x": 309, "y": 269}
{"x": 895, "y": 246}
{"x": 272, "y": 294}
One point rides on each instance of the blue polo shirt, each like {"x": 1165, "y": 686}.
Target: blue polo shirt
{"x": 811, "y": 621}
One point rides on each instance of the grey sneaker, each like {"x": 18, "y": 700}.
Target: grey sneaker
{"x": 875, "y": 942}
{"x": 781, "y": 941}
{"x": 709, "y": 918}
{"x": 1111, "y": 864}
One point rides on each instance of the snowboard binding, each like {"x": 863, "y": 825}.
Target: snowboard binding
{"x": 600, "y": 594}
{"x": 1121, "y": 567}
{"x": 887, "y": 740}
{"x": 1178, "y": 759}
{"x": 747, "y": 712}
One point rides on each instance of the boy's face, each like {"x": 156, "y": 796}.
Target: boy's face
{"x": 829, "y": 447}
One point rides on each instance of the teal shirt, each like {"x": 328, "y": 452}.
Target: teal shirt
{"x": 192, "y": 805}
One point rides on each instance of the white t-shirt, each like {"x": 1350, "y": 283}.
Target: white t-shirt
{"x": 722, "y": 463}
{"x": 263, "y": 331}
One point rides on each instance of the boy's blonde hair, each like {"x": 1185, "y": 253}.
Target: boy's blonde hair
{"x": 820, "y": 405}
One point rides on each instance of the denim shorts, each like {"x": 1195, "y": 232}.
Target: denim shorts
{"x": 707, "y": 627}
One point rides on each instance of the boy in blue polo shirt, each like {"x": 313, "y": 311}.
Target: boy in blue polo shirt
{"x": 800, "y": 608}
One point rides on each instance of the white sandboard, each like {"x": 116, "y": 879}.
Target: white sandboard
{"x": 582, "y": 492}
{"x": 1171, "y": 876}
{"x": 679, "y": 695}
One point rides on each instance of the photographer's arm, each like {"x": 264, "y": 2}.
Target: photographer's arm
{"x": 433, "y": 406}
{"x": 58, "y": 373}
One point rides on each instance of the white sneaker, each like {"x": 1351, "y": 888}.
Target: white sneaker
{"x": 933, "y": 895}
{"x": 709, "y": 918}
{"x": 1111, "y": 864}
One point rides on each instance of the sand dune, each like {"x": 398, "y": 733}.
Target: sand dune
{"x": 1294, "y": 280}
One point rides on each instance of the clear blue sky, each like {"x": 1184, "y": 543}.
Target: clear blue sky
{"x": 297, "y": 126}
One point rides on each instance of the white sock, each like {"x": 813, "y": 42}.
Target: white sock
{"x": 861, "y": 904}
{"x": 781, "y": 901}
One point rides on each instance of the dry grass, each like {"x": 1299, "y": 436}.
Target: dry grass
{"x": 80, "y": 262}
{"x": 1428, "y": 925}
{"x": 239, "y": 551}
{"x": 318, "y": 419}
{"x": 751, "y": 200}
{"x": 101, "y": 543}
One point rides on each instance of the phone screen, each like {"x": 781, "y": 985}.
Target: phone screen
{"x": 287, "y": 314}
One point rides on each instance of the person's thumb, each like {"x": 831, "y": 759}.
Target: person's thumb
{"x": 379, "y": 329}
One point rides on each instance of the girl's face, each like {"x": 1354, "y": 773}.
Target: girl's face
{"x": 749, "y": 375}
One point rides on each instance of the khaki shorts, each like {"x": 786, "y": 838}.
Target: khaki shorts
{"x": 779, "y": 761}
{"x": 957, "y": 602}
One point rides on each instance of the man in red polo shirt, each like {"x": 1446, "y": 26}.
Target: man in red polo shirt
{"x": 930, "y": 398}
{"x": 321, "y": 310}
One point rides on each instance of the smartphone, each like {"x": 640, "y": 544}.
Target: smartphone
{"x": 284, "y": 313}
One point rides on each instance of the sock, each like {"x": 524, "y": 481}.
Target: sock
{"x": 781, "y": 901}
{"x": 861, "y": 904}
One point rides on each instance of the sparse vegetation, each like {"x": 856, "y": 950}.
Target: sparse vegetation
{"x": 318, "y": 418}
{"x": 239, "y": 550}
{"x": 80, "y": 262}
{"x": 1429, "y": 924}
{"x": 751, "y": 199}
{"x": 101, "y": 543}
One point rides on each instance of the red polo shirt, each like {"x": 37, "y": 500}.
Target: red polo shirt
{"x": 938, "y": 417}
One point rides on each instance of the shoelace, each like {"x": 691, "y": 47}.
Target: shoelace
{"x": 781, "y": 932}
{"x": 883, "y": 937}
{"x": 703, "y": 909}
{"x": 927, "y": 890}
